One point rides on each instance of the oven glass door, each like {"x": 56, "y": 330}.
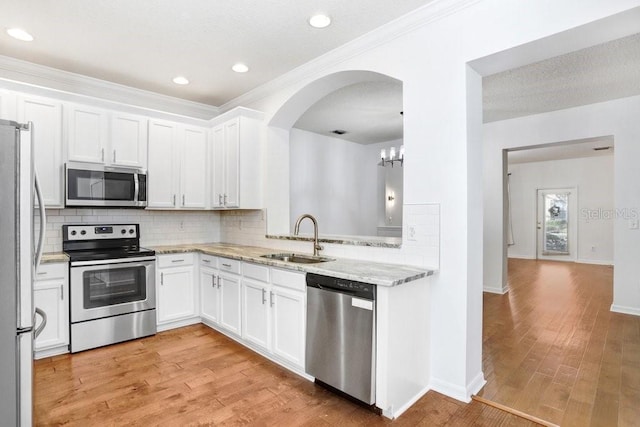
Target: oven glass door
{"x": 91, "y": 185}
{"x": 110, "y": 289}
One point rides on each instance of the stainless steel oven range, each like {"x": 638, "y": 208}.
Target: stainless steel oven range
{"x": 111, "y": 282}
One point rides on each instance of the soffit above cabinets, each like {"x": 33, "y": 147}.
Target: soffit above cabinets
{"x": 146, "y": 43}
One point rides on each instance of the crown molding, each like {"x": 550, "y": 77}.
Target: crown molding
{"x": 40, "y": 76}
{"x": 439, "y": 9}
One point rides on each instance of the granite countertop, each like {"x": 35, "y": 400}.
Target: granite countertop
{"x": 380, "y": 274}
{"x": 51, "y": 257}
{"x": 374, "y": 241}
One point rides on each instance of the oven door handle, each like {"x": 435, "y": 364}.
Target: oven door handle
{"x": 119, "y": 261}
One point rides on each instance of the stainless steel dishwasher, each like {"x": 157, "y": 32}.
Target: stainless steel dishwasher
{"x": 340, "y": 348}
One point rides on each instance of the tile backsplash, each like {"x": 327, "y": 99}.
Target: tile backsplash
{"x": 156, "y": 227}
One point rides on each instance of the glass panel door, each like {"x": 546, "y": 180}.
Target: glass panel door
{"x": 556, "y": 224}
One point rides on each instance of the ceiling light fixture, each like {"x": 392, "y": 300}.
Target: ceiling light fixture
{"x": 20, "y": 34}
{"x": 240, "y": 68}
{"x": 319, "y": 21}
{"x": 385, "y": 161}
{"x": 181, "y": 80}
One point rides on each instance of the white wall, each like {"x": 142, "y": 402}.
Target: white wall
{"x": 335, "y": 181}
{"x": 617, "y": 118}
{"x": 442, "y": 137}
{"x": 593, "y": 178}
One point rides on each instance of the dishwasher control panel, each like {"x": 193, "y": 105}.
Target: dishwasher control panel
{"x": 359, "y": 289}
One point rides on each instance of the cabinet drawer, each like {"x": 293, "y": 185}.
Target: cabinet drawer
{"x": 52, "y": 271}
{"x": 175, "y": 260}
{"x": 229, "y": 265}
{"x": 208, "y": 261}
{"x": 255, "y": 271}
{"x": 289, "y": 279}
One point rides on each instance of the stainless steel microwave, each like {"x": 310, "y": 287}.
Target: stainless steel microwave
{"x": 89, "y": 185}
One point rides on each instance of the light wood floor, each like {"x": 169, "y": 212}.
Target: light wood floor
{"x": 552, "y": 347}
{"x": 196, "y": 376}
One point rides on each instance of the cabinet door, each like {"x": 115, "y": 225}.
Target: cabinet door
{"x": 87, "y": 134}
{"x": 176, "y": 299}
{"x": 230, "y": 302}
{"x": 288, "y": 324}
{"x": 128, "y": 140}
{"x": 217, "y": 167}
{"x": 255, "y": 313}
{"x": 163, "y": 166}
{"x": 209, "y": 297}
{"x": 50, "y": 296}
{"x": 46, "y": 115}
{"x": 231, "y": 194}
{"x": 194, "y": 168}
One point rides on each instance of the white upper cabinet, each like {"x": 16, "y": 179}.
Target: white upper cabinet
{"x": 178, "y": 167}
{"x": 128, "y": 140}
{"x": 7, "y": 105}
{"x": 46, "y": 115}
{"x": 111, "y": 138}
{"x": 236, "y": 159}
{"x": 87, "y": 134}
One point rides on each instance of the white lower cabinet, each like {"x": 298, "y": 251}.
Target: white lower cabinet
{"x": 51, "y": 294}
{"x": 274, "y": 310}
{"x": 220, "y": 303}
{"x": 176, "y": 291}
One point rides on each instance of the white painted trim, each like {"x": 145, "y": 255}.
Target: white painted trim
{"x": 452, "y": 390}
{"x": 594, "y": 261}
{"x": 391, "y": 414}
{"x": 49, "y": 352}
{"x": 634, "y": 311}
{"x": 497, "y": 290}
{"x": 38, "y": 77}
{"x": 522, "y": 256}
{"x": 418, "y": 18}
{"x": 178, "y": 324}
{"x": 476, "y": 384}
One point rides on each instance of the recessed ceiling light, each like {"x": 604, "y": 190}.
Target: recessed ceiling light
{"x": 20, "y": 34}
{"x": 319, "y": 21}
{"x": 181, "y": 80}
{"x": 240, "y": 68}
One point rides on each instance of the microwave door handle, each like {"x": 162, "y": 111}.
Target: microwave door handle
{"x": 43, "y": 221}
{"x": 136, "y": 187}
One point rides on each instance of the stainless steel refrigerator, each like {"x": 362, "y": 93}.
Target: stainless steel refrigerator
{"x": 18, "y": 263}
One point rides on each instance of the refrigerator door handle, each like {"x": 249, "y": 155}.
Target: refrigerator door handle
{"x": 40, "y": 328}
{"x": 43, "y": 221}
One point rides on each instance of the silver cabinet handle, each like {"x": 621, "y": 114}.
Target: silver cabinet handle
{"x": 264, "y": 296}
{"x": 225, "y": 200}
{"x": 183, "y": 200}
{"x": 218, "y": 282}
{"x": 161, "y": 278}
{"x": 177, "y": 260}
{"x": 61, "y": 294}
{"x": 40, "y": 328}
{"x": 114, "y": 156}
{"x": 213, "y": 281}
{"x": 174, "y": 200}
{"x": 206, "y": 260}
{"x": 220, "y": 199}
{"x": 271, "y": 299}
{"x": 102, "y": 151}
{"x": 41, "y": 273}
{"x": 226, "y": 265}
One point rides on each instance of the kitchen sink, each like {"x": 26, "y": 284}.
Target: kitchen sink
{"x": 298, "y": 258}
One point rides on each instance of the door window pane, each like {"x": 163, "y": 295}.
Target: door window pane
{"x": 556, "y": 223}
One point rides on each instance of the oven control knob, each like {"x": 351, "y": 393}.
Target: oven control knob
{"x": 131, "y": 231}
{"x": 74, "y": 232}
{"x": 83, "y": 232}
{"x": 123, "y": 231}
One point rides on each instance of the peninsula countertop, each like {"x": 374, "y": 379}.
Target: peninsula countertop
{"x": 381, "y": 274}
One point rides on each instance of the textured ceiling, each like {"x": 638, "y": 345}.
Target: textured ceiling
{"x": 596, "y": 74}
{"x": 368, "y": 112}
{"x": 566, "y": 150}
{"x": 145, "y": 43}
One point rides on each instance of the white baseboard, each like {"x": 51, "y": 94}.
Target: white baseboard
{"x": 492, "y": 290}
{"x": 634, "y": 311}
{"x": 594, "y": 261}
{"x": 521, "y": 256}
{"x": 178, "y": 323}
{"x": 476, "y": 384}
{"x": 50, "y": 352}
{"x": 392, "y": 413}
{"x": 457, "y": 392}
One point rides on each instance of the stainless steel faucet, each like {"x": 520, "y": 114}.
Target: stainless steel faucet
{"x": 296, "y": 230}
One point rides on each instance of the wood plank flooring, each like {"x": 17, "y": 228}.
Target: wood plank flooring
{"x": 552, "y": 347}
{"x": 196, "y": 376}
